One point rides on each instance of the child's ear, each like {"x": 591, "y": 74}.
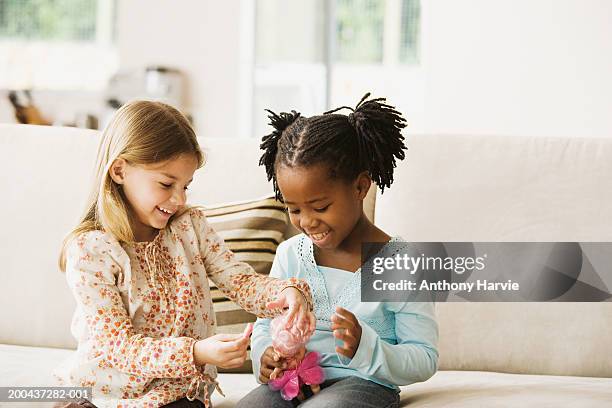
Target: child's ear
{"x": 117, "y": 171}
{"x": 363, "y": 183}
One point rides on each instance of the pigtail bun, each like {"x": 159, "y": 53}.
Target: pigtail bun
{"x": 378, "y": 127}
{"x": 269, "y": 143}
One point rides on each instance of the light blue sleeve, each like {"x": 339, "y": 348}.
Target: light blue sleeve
{"x": 413, "y": 359}
{"x": 260, "y": 339}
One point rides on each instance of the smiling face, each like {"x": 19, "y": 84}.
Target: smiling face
{"x": 154, "y": 192}
{"x": 324, "y": 208}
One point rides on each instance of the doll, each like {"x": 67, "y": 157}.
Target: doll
{"x": 302, "y": 367}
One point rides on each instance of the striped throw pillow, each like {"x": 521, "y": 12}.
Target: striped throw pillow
{"x": 252, "y": 230}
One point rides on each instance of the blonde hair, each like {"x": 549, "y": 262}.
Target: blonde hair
{"x": 140, "y": 132}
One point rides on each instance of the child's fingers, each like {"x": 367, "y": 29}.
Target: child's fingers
{"x": 243, "y": 341}
{"x": 230, "y": 346}
{"x": 266, "y": 370}
{"x": 270, "y": 361}
{"x": 292, "y": 313}
{"x": 276, "y": 373}
{"x": 271, "y": 354}
{"x": 227, "y": 337}
{"x": 344, "y": 351}
{"x": 340, "y": 323}
{"x": 298, "y": 320}
{"x": 248, "y": 330}
{"x": 267, "y": 360}
{"x": 267, "y": 364}
{"x": 235, "y": 362}
{"x": 345, "y": 314}
{"x": 308, "y": 322}
{"x": 265, "y": 373}
{"x": 338, "y": 318}
{"x": 239, "y": 344}
{"x": 271, "y": 358}
{"x": 235, "y": 355}
{"x": 235, "y": 351}
{"x": 346, "y": 336}
{"x": 302, "y": 323}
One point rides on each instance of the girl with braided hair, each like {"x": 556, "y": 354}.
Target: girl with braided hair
{"x": 322, "y": 168}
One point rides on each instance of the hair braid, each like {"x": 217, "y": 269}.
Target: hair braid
{"x": 368, "y": 139}
{"x": 378, "y": 127}
{"x": 269, "y": 143}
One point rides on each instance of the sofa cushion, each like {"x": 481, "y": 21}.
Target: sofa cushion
{"x": 31, "y": 366}
{"x": 495, "y": 188}
{"x": 462, "y": 389}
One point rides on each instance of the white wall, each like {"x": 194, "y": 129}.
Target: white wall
{"x": 521, "y": 67}
{"x": 199, "y": 37}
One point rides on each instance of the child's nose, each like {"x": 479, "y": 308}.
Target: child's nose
{"x": 308, "y": 222}
{"x": 179, "y": 198}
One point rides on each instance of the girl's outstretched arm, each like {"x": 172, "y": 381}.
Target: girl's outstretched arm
{"x": 237, "y": 280}
{"x": 261, "y": 339}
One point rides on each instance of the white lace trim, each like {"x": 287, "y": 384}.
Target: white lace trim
{"x": 324, "y": 307}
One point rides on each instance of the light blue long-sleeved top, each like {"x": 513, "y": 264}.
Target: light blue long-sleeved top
{"x": 398, "y": 339}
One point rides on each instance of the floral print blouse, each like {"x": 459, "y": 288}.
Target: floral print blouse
{"x": 141, "y": 307}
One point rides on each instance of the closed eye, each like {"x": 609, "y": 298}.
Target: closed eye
{"x": 167, "y": 186}
{"x": 323, "y": 209}
{"x": 290, "y": 211}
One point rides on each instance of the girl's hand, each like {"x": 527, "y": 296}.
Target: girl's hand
{"x": 223, "y": 350}
{"x": 272, "y": 365}
{"x": 346, "y": 327}
{"x": 298, "y": 314}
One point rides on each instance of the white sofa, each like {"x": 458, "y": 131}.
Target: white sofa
{"x": 449, "y": 188}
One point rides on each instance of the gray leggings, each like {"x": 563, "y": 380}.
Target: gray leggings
{"x": 347, "y": 392}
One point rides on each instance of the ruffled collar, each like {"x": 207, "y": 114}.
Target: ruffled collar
{"x": 324, "y": 307}
{"x": 151, "y": 251}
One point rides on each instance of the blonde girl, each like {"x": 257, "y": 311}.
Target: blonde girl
{"x": 138, "y": 265}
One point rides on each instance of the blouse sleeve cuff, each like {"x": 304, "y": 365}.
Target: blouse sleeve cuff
{"x": 191, "y": 363}
{"x": 365, "y": 352}
{"x": 303, "y": 287}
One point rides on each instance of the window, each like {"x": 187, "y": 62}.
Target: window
{"x": 359, "y": 33}
{"x": 313, "y": 55}
{"x": 71, "y": 20}
{"x": 410, "y": 23}
{"x": 57, "y": 44}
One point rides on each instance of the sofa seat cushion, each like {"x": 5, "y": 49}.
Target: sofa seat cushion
{"x": 459, "y": 389}
{"x": 31, "y": 366}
